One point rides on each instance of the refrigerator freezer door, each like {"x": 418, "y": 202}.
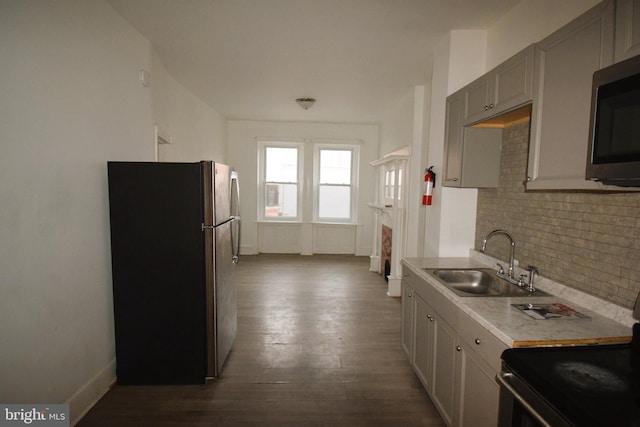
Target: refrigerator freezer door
{"x": 158, "y": 266}
{"x": 222, "y": 193}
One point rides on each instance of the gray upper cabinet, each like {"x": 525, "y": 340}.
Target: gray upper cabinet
{"x": 627, "y": 29}
{"x": 452, "y": 165}
{"x": 564, "y": 66}
{"x": 507, "y": 86}
{"x": 471, "y": 155}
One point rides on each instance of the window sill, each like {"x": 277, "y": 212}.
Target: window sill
{"x": 342, "y": 224}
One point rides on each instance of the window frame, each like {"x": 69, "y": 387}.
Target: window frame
{"x": 353, "y": 185}
{"x": 263, "y": 145}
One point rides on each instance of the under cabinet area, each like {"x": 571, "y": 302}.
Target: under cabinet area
{"x": 452, "y": 355}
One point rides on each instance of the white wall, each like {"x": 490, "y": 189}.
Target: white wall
{"x": 450, "y": 220}
{"x": 529, "y": 22}
{"x": 397, "y": 124}
{"x": 243, "y": 138}
{"x": 406, "y": 123}
{"x": 197, "y": 131}
{"x": 71, "y": 100}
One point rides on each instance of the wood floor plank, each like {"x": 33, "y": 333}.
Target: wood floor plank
{"x": 318, "y": 345}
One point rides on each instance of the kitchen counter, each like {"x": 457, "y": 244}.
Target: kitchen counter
{"x": 515, "y": 328}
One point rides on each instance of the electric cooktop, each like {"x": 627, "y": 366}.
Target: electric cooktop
{"x": 588, "y": 385}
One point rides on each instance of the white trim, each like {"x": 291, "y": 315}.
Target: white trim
{"x": 91, "y": 392}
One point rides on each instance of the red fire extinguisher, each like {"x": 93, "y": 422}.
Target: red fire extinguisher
{"x": 429, "y": 183}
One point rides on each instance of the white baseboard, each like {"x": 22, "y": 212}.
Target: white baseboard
{"x": 374, "y": 263}
{"x": 394, "y": 288}
{"x": 89, "y": 394}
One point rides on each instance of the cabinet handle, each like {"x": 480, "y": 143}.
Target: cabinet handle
{"x": 490, "y": 105}
{"x": 458, "y": 348}
{"x": 410, "y": 294}
{"x": 451, "y": 179}
{"x": 477, "y": 341}
{"x": 486, "y": 108}
{"x": 430, "y": 317}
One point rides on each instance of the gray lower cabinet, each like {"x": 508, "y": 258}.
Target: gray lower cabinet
{"x": 479, "y": 363}
{"x": 444, "y": 387}
{"x": 424, "y": 341}
{"x": 479, "y": 392}
{"x": 407, "y": 316}
{"x": 564, "y": 66}
{"x": 454, "y": 357}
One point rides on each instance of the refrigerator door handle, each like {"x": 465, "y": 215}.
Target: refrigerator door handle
{"x": 235, "y": 215}
{"x": 211, "y": 227}
{"x": 235, "y": 240}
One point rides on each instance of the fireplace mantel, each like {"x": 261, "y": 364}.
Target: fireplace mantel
{"x": 390, "y": 210}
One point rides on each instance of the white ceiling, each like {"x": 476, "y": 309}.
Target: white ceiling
{"x": 249, "y": 59}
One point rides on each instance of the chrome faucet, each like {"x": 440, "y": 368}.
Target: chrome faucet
{"x": 532, "y": 273}
{"x": 509, "y": 275}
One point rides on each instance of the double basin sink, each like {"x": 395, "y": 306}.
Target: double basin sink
{"x": 479, "y": 282}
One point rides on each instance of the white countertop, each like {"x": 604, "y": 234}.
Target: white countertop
{"x": 515, "y": 328}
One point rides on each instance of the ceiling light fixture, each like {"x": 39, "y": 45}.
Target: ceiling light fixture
{"x": 306, "y": 103}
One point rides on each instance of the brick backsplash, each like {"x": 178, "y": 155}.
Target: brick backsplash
{"x": 589, "y": 241}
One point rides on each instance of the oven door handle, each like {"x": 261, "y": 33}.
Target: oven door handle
{"x": 502, "y": 379}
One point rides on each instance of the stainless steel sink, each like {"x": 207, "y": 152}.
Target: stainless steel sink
{"x": 481, "y": 282}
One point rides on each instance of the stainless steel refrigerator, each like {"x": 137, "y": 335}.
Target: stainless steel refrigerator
{"x": 175, "y": 236}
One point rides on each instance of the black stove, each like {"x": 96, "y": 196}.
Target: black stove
{"x": 577, "y": 386}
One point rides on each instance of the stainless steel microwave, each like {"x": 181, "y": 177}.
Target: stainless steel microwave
{"x": 614, "y": 128}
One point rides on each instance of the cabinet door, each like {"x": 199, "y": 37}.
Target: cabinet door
{"x": 506, "y": 87}
{"x": 444, "y": 363}
{"x": 627, "y": 29}
{"x": 513, "y": 82}
{"x": 481, "y": 157}
{"x": 479, "y": 392}
{"x": 564, "y": 67}
{"x": 407, "y": 318}
{"x": 478, "y": 99}
{"x": 453, "y": 141}
{"x": 423, "y": 350}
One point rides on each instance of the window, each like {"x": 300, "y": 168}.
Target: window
{"x": 335, "y": 177}
{"x": 281, "y": 177}
{"x": 330, "y": 197}
{"x": 390, "y": 184}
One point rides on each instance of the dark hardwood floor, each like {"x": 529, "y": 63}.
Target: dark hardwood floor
{"x": 318, "y": 345}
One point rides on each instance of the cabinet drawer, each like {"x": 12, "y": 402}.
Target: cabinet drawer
{"x": 408, "y": 276}
{"x": 482, "y": 341}
{"x": 444, "y": 308}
